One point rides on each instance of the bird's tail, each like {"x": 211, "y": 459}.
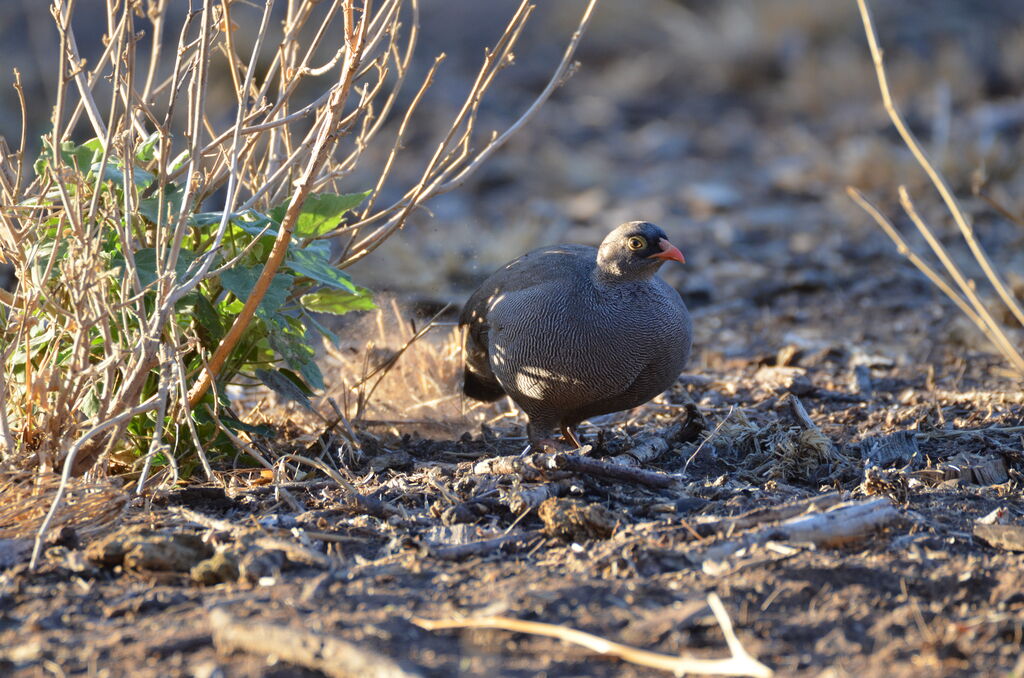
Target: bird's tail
{"x": 479, "y": 388}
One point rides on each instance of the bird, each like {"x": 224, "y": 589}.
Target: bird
{"x": 570, "y": 332}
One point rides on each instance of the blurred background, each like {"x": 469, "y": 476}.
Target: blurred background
{"x": 734, "y": 124}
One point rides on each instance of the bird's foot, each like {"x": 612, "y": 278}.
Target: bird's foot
{"x": 551, "y": 446}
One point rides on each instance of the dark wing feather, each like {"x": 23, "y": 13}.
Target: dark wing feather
{"x": 534, "y": 268}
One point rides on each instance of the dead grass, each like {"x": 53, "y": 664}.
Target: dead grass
{"x": 769, "y": 448}
{"x": 89, "y": 505}
{"x": 420, "y": 389}
{"x": 950, "y": 278}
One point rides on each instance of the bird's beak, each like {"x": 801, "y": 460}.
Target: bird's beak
{"x": 668, "y": 251}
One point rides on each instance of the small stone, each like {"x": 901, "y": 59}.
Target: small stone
{"x": 573, "y": 520}
{"x": 705, "y": 199}
{"x": 257, "y": 565}
{"x": 219, "y": 568}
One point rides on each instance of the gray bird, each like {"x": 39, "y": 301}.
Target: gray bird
{"x": 572, "y": 332}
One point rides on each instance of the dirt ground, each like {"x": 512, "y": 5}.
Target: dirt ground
{"x": 827, "y": 374}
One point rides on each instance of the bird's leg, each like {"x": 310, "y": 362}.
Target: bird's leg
{"x": 538, "y": 432}
{"x": 570, "y": 437}
{"x": 552, "y": 446}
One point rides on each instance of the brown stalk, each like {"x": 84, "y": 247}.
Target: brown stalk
{"x": 321, "y": 149}
{"x": 980, "y": 315}
{"x": 739, "y": 663}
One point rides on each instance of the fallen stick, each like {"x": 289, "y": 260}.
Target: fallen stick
{"x": 331, "y": 655}
{"x": 647, "y": 449}
{"x": 740, "y": 663}
{"x": 554, "y": 466}
{"x": 563, "y": 461}
{"x": 840, "y": 525}
{"x": 519, "y": 498}
{"x": 769, "y": 514}
{"x": 482, "y": 547}
{"x": 800, "y": 413}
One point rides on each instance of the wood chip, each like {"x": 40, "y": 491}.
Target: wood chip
{"x": 1006, "y": 537}
{"x": 896, "y": 448}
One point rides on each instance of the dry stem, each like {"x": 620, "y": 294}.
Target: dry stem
{"x": 740, "y": 663}
{"x": 972, "y": 306}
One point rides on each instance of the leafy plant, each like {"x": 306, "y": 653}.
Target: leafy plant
{"x": 189, "y": 242}
{"x": 273, "y": 348}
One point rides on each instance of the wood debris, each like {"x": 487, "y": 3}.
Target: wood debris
{"x": 842, "y": 524}
{"x": 1006, "y": 537}
{"x": 740, "y": 663}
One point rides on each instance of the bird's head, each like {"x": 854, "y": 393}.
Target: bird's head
{"x": 635, "y": 250}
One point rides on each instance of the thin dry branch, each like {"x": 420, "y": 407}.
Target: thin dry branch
{"x": 83, "y": 344}
{"x": 768, "y": 514}
{"x": 966, "y": 230}
{"x": 740, "y": 663}
{"x": 841, "y": 524}
{"x": 979, "y": 315}
{"x": 917, "y": 261}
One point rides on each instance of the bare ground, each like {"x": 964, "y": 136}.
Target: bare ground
{"x": 737, "y": 132}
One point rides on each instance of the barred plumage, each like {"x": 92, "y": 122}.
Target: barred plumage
{"x": 571, "y": 332}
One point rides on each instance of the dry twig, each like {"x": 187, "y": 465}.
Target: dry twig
{"x": 840, "y": 524}
{"x": 741, "y": 663}
{"x": 966, "y": 299}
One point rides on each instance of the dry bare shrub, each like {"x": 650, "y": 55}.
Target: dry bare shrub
{"x": 999, "y": 319}
{"x": 183, "y": 247}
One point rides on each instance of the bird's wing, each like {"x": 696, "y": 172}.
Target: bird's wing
{"x": 548, "y": 264}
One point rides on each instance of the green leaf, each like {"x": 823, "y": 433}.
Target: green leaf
{"x": 114, "y": 171}
{"x": 205, "y": 218}
{"x": 57, "y": 249}
{"x": 320, "y": 213}
{"x": 311, "y": 321}
{"x": 287, "y": 337}
{"x": 339, "y": 302}
{"x": 280, "y": 383}
{"x": 311, "y": 373}
{"x": 145, "y": 264}
{"x": 315, "y": 263}
{"x": 81, "y": 158}
{"x": 163, "y": 204}
{"x": 241, "y": 279}
{"x": 207, "y": 322}
{"x": 179, "y": 161}
{"x": 296, "y": 381}
{"x": 236, "y": 425}
{"x": 145, "y": 152}
{"x": 259, "y": 227}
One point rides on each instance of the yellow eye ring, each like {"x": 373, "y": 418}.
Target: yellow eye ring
{"x": 636, "y": 243}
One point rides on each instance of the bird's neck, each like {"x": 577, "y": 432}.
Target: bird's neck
{"x": 610, "y": 276}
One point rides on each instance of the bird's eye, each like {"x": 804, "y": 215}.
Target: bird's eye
{"x": 636, "y": 243}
